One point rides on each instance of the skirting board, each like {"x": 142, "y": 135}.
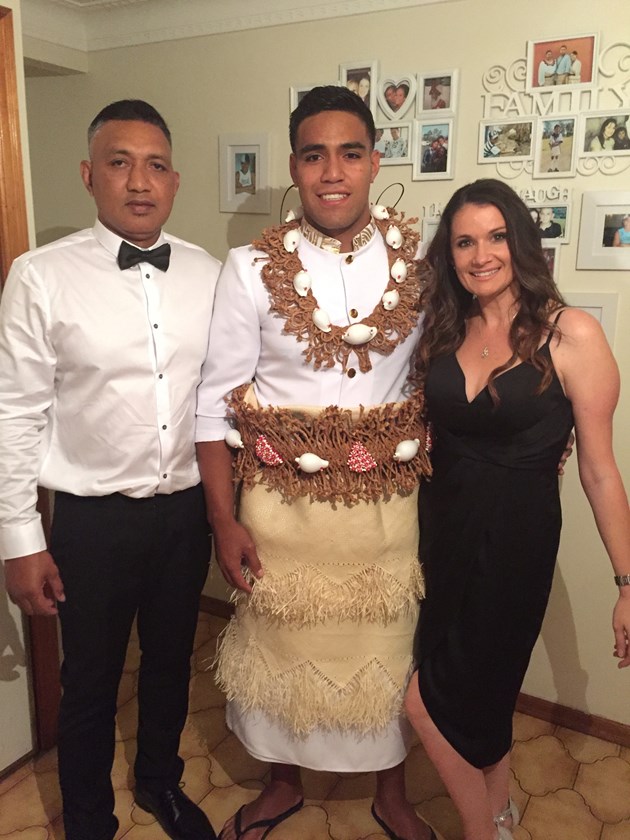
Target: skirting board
{"x": 598, "y": 727}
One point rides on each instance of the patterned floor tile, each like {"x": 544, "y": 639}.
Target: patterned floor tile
{"x": 605, "y": 786}
{"x": 34, "y": 801}
{"x": 525, "y": 727}
{"x": 621, "y": 831}
{"x": 561, "y": 815}
{"x": 585, "y": 748}
{"x": 542, "y": 765}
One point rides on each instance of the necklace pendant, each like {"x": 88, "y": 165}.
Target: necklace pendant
{"x": 485, "y": 352}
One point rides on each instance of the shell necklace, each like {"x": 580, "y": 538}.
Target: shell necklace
{"x": 289, "y": 287}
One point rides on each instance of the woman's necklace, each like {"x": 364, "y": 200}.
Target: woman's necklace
{"x": 389, "y": 323}
{"x": 485, "y": 350}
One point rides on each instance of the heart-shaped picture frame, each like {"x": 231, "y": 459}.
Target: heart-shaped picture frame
{"x": 396, "y": 96}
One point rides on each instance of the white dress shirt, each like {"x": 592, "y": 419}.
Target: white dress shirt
{"x": 247, "y": 339}
{"x": 98, "y": 374}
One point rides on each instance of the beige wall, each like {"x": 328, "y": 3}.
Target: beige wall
{"x": 239, "y": 82}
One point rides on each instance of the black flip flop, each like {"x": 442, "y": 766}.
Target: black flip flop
{"x": 269, "y": 824}
{"x": 392, "y": 834}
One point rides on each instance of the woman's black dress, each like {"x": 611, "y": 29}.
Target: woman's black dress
{"x": 489, "y": 530}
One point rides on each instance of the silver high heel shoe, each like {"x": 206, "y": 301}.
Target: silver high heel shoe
{"x": 510, "y": 813}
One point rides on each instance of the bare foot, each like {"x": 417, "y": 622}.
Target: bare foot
{"x": 403, "y": 820}
{"x": 276, "y": 798}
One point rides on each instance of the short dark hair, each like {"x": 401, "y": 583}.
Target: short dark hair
{"x": 330, "y": 98}
{"x": 129, "y": 109}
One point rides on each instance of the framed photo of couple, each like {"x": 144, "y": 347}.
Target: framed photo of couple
{"x": 433, "y": 150}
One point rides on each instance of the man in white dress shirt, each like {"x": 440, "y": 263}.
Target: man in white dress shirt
{"x": 311, "y": 343}
{"x": 102, "y": 338}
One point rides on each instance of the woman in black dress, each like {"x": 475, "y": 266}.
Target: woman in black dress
{"x": 508, "y": 370}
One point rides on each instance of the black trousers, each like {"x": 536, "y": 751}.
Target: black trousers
{"x": 118, "y": 558}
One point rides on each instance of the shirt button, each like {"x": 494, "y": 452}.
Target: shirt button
{"x": 148, "y": 276}
{"x": 155, "y": 326}
{"x": 164, "y": 427}
{"x": 164, "y": 475}
{"x": 349, "y": 259}
{"x": 351, "y": 373}
{"x": 354, "y": 313}
{"x": 160, "y": 376}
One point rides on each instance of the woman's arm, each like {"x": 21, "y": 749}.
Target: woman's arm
{"x": 590, "y": 377}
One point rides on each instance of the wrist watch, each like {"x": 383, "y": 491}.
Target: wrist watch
{"x": 622, "y": 580}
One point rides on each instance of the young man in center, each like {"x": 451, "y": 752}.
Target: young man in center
{"x": 314, "y": 331}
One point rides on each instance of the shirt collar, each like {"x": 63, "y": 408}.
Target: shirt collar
{"x": 329, "y": 243}
{"x": 111, "y": 241}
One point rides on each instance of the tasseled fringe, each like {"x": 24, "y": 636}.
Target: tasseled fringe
{"x": 306, "y": 597}
{"x": 302, "y": 698}
{"x": 331, "y": 435}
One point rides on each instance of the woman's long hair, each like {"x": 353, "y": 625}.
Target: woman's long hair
{"x": 447, "y": 304}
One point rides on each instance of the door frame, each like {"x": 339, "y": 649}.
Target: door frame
{"x": 42, "y": 637}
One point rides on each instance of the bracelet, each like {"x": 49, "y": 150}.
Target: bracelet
{"x": 622, "y": 580}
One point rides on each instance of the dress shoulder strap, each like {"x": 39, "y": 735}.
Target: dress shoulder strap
{"x": 555, "y": 322}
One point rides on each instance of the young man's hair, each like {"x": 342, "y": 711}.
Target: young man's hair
{"x": 330, "y": 98}
{"x": 129, "y": 110}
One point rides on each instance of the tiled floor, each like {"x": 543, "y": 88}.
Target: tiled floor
{"x": 568, "y": 786}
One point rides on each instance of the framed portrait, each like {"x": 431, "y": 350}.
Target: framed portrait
{"x": 551, "y": 252}
{"x": 437, "y": 91}
{"x": 554, "y": 155}
{"x": 552, "y": 221}
{"x": 506, "y": 140}
{"x": 429, "y": 226}
{"x": 433, "y": 150}
{"x": 601, "y": 305}
{"x": 244, "y": 173}
{"x": 568, "y": 61}
{"x": 604, "y": 133}
{"x": 298, "y": 91}
{"x": 396, "y": 95}
{"x": 605, "y": 231}
{"x": 393, "y": 142}
{"x": 361, "y": 77}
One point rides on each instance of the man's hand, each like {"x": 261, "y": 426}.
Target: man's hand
{"x": 33, "y": 583}
{"x": 568, "y": 451}
{"x": 235, "y": 549}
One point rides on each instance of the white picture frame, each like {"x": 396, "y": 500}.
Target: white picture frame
{"x": 545, "y": 164}
{"x": 394, "y": 142}
{"x": 296, "y": 92}
{"x": 601, "y": 305}
{"x": 426, "y": 133}
{"x": 507, "y": 139}
{"x": 355, "y": 72}
{"x": 602, "y": 213}
{"x": 437, "y": 92}
{"x": 551, "y": 251}
{"x": 592, "y": 132}
{"x": 396, "y": 95}
{"x": 587, "y": 48}
{"x": 234, "y": 151}
{"x": 560, "y": 215}
{"x": 429, "y": 226}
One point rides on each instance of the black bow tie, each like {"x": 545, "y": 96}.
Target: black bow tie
{"x": 128, "y": 255}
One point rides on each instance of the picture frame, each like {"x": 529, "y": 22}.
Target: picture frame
{"x": 602, "y": 214}
{"x": 437, "y": 91}
{"x": 296, "y": 92}
{"x": 356, "y": 73}
{"x": 396, "y": 95}
{"x": 244, "y": 158}
{"x": 433, "y": 147}
{"x": 507, "y": 139}
{"x": 555, "y": 149}
{"x": 553, "y": 218}
{"x": 580, "y": 48}
{"x": 429, "y": 227}
{"x": 394, "y": 142}
{"x": 604, "y": 133}
{"x": 551, "y": 252}
{"x": 601, "y": 305}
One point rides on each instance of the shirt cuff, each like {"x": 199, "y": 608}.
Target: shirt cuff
{"x": 20, "y": 540}
{"x": 211, "y": 428}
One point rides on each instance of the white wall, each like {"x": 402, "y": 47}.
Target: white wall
{"x": 17, "y": 731}
{"x": 239, "y": 82}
